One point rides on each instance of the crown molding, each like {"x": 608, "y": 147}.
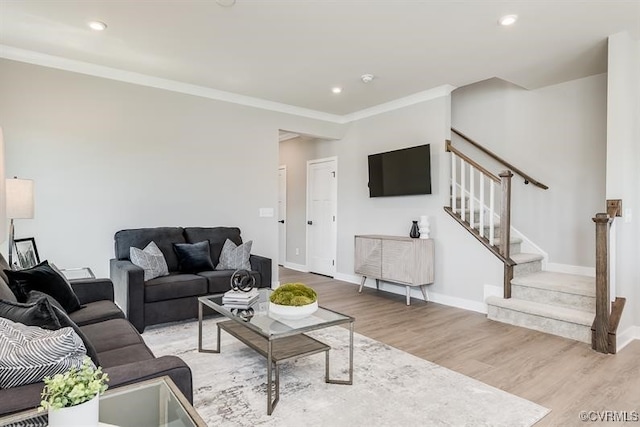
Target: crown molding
{"x": 406, "y": 101}
{"x": 51, "y": 61}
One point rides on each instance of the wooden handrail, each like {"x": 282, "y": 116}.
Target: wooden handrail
{"x": 527, "y": 178}
{"x": 450, "y": 148}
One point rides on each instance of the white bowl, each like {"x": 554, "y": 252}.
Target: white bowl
{"x": 291, "y": 312}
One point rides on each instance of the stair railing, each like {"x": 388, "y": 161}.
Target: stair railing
{"x": 481, "y": 195}
{"x": 608, "y": 308}
{"x": 527, "y": 179}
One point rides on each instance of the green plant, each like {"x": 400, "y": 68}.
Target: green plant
{"x": 295, "y": 294}
{"x": 74, "y": 387}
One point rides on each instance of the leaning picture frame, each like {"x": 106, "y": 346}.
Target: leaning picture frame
{"x": 26, "y": 253}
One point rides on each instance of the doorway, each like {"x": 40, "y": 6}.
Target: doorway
{"x": 282, "y": 215}
{"x": 322, "y": 201}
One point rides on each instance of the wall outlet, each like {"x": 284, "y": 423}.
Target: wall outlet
{"x": 266, "y": 212}
{"x": 297, "y": 251}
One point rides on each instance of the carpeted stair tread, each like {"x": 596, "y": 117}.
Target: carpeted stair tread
{"x": 524, "y": 257}
{"x": 558, "y": 282}
{"x": 564, "y": 314}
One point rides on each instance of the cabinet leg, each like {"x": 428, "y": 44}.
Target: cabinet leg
{"x": 423, "y": 288}
{"x": 364, "y": 278}
{"x": 408, "y": 295}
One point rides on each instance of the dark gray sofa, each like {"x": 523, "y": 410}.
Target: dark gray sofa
{"x": 120, "y": 349}
{"x": 173, "y": 297}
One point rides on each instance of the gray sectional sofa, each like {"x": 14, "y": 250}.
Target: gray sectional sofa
{"x": 173, "y": 297}
{"x": 119, "y": 347}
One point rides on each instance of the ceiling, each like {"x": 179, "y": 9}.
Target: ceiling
{"x": 293, "y": 52}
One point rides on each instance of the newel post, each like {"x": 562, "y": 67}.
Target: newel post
{"x": 505, "y": 229}
{"x": 600, "y": 341}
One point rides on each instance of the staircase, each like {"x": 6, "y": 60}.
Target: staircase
{"x": 554, "y": 303}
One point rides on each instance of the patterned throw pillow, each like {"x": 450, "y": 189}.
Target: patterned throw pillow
{"x": 151, "y": 260}
{"x": 29, "y": 353}
{"x": 235, "y": 257}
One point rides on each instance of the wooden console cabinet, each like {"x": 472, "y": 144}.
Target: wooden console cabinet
{"x": 395, "y": 259}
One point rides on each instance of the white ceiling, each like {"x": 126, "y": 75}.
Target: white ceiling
{"x": 294, "y": 51}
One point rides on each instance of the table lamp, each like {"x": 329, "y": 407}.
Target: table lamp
{"x": 19, "y": 197}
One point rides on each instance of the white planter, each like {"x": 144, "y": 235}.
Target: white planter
{"x": 293, "y": 312}
{"x": 83, "y": 415}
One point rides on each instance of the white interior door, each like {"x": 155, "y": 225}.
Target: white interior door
{"x": 322, "y": 200}
{"x": 282, "y": 215}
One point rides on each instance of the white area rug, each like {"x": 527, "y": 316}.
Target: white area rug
{"x": 391, "y": 387}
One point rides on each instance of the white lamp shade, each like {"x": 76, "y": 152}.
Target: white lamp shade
{"x": 19, "y": 193}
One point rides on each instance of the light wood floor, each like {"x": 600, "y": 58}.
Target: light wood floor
{"x": 560, "y": 374}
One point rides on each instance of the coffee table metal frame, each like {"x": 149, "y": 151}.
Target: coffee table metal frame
{"x": 275, "y": 347}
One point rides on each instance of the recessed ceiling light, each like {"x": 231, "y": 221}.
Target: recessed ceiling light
{"x": 226, "y": 3}
{"x": 97, "y": 25}
{"x": 508, "y": 20}
{"x": 336, "y": 89}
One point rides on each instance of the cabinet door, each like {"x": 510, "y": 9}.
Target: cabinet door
{"x": 398, "y": 261}
{"x": 368, "y": 257}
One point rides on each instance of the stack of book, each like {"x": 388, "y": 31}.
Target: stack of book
{"x": 239, "y": 299}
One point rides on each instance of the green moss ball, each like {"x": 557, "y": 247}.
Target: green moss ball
{"x": 295, "y": 294}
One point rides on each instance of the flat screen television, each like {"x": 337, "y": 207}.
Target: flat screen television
{"x": 400, "y": 172}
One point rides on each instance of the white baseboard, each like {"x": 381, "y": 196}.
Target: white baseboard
{"x": 398, "y": 289}
{"x": 630, "y": 334}
{"x": 296, "y": 267}
{"x": 571, "y": 269}
{"x": 348, "y": 278}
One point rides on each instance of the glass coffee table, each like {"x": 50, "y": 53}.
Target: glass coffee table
{"x": 155, "y": 402}
{"x": 276, "y": 339}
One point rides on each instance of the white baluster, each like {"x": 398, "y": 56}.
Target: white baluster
{"x": 454, "y": 183}
{"x": 462, "y": 190}
{"x": 482, "y": 204}
{"x": 491, "y": 215}
{"x": 472, "y": 191}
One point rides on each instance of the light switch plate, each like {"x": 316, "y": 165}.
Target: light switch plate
{"x": 266, "y": 212}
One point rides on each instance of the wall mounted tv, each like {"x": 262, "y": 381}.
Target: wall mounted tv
{"x": 400, "y": 172}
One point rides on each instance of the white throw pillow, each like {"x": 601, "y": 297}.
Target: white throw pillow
{"x": 151, "y": 260}
{"x": 235, "y": 257}
{"x": 30, "y": 353}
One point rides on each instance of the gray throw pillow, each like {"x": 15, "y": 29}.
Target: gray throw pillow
{"x": 151, "y": 260}
{"x": 235, "y": 257}
{"x": 29, "y": 353}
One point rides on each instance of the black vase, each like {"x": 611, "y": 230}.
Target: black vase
{"x": 415, "y": 233}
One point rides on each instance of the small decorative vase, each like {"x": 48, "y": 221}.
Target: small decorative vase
{"x": 424, "y": 227}
{"x": 415, "y": 233}
{"x": 83, "y": 415}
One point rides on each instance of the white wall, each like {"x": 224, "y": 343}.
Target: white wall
{"x": 107, "y": 155}
{"x": 623, "y": 164}
{"x": 556, "y": 134}
{"x": 462, "y": 265}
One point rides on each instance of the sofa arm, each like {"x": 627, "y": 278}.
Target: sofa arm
{"x": 128, "y": 281}
{"x": 172, "y": 366}
{"x": 92, "y": 290}
{"x": 263, "y": 266}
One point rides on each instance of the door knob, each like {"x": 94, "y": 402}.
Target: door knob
{"x": 281, "y": 221}
{"x": 310, "y": 222}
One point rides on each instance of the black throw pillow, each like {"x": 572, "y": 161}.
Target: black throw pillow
{"x": 45, "y": 279}
{"x": 36, "y": 313}
{"x": 193, "y": 257}
{"x": 65, "y": 321}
